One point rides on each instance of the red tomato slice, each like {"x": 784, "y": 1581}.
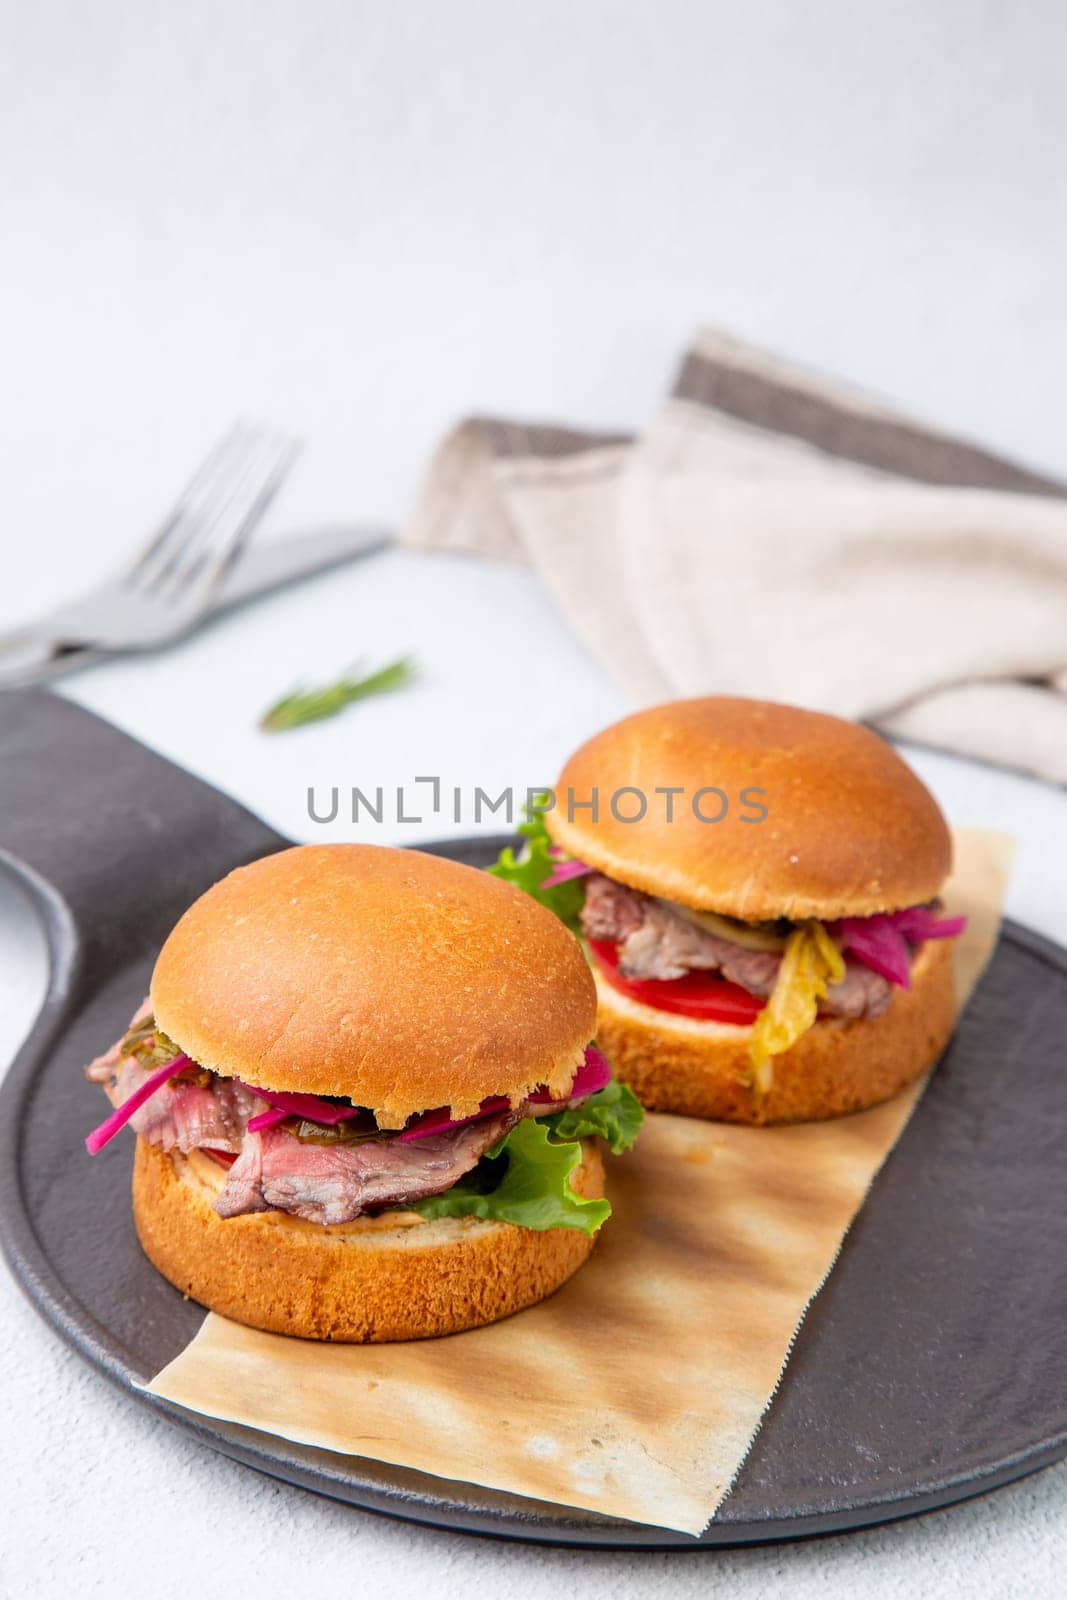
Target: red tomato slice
{"x": 225, "y": 1158}
{"x": 698, "y": 994}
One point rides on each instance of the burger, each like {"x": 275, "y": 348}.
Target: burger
{"x": 757, "y": 888}
{"x": 365, "y": 1098}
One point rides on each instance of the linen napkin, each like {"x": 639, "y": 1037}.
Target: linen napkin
{"x": 776, "y": 534}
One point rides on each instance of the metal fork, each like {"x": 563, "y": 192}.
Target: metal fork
{"x": 170, "y": 583}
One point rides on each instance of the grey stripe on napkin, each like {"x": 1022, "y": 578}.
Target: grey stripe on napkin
{"x": 844, "y": 426}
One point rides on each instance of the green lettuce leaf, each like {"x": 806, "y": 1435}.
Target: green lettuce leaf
{"x": 524, "y": 1179}
{"x": 533, "y": 865}
{"x": 614, "y": 1113}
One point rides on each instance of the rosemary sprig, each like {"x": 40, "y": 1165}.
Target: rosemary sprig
{"x": 311, "y": 705}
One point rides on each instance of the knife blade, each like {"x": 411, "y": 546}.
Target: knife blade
{"x": 258, "y": 570}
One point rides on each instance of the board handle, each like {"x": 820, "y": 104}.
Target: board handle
{"x": 108, "y": 838}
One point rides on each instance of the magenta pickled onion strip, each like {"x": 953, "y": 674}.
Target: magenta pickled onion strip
{"x": 267, "y": 1119}
{"x": 881, "y": 942}
{"x": 878, "y": 944}
{"x": 593, "y": 1074}
{"x": 919, "y": 922}
{"x": 308, "y": 1106}
{"x": 440, "y": 1122}
{"x": 565, "y": 872}
{"x": 118, "y": 1119}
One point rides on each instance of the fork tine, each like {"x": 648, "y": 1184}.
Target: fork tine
{"x": 244, "y": 446}
{"x": 163, "y": 593}
{"x": 286, "y": 452}
{"x": 224, "y": 525}
{"x": 163, "y": 540}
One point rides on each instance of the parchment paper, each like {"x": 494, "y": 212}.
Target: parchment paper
{"x": 637, "y": 1388}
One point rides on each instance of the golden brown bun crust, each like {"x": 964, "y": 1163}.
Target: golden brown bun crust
{"x": 850, "y": 829}
{"x": 376, "y": 1279}
{"x": 701, "y": 1070}
{"x": 395, "y": 979}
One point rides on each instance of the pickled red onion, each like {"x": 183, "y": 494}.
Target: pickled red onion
{"x": 565, "y": 872}
{"x": 118, "y": 1119}
{"x": 881, "y": 942}
{"x": 919, "y": 922}
{"x": 878, "y": 944}
{"x": 593, "y": 1074}
{"x": 309, "y": 1106}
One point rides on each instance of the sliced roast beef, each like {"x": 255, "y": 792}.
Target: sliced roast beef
{"x": 186, "y": 1115}
{"x": 657, "y": 941}
{"x": 611, "y": 910}
{"x": 861, "y": 993}
{"x": 667, "y": 945}
{"x": 183, "y": 1115}
{"x": 335, "y": 1183}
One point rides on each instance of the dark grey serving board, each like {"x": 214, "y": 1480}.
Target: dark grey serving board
{"x": 932, "y": 1367}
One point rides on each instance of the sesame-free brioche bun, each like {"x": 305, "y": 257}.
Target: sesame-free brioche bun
{"x": 398, "y": 980}
{"x": 395, "y": 1276}
{"x": 849, "y": 829}
{"x": 701, "y": 1069}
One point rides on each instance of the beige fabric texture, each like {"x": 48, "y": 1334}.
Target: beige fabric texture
{"x": 636, "y": 1390}
{"x": 773, "y": 534}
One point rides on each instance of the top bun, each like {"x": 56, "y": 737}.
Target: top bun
{"x": 849, "y": 829}
{"x": 398, "y": 980}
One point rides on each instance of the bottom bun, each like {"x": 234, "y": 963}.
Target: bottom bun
{"x": 396, "y": 1276}
{"x": 700, "y": 1069}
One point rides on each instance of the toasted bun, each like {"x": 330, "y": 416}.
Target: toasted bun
{"x": 700, "y": 1069}
{"x": 849, "y": 829}
{"x": 390, "y": 1277}
{"x": 398, "y": 980}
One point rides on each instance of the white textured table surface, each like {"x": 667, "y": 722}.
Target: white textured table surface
{"x": 361, "y": 220}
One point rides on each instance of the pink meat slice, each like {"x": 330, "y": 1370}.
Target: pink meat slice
{"x": 667, "y": 946}
{"x": 655, "y": 941}
{"x": 184, "y": 1115}
{"x": 611, "y": 910}
{"x": 860, "y": 993}
{"x": 334, "y": 1183}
